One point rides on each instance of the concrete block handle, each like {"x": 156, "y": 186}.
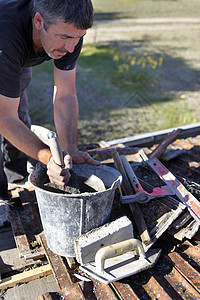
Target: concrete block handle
{"x": 55, "y": 148}
{"x": 116, "y": 250}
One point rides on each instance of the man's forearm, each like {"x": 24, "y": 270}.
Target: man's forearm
{"x": 66, "y": 118}
{"x": 24, "y": 139}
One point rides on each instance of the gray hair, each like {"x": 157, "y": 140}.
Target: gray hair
{"x": 79, "y": 12}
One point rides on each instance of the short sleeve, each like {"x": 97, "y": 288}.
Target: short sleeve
{"x": 9, "y": 75}
{"x": 68, "y": 62}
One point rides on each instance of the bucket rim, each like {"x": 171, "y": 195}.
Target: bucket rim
{"x": 114, "y": 185}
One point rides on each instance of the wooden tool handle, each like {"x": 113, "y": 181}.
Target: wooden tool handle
{"x": 131, "y": 174}
{"x": 163, "y": 145}
{"x": 134, "y": 207}
{"x": 55, "y": 148}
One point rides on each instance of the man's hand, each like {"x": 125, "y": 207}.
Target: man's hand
{"x": 59, "y": 175}
{"x": 81, "y": 157}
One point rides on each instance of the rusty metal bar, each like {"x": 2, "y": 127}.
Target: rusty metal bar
{"x": 103, "y": 291}
{"x": 93, "y": 288}
{"x": 191, "y": 253}
{"x": 19, "y": 234}
{"x": 124, "y": 291}
{"x": 49, "y": 296}
{"x": 87, "y": 288}
{"x": 27, "y": 199}
{"x": 65, "y": 283}
{"x": 33, "y": 225}
{"x": 180, "y": 283}
{"x": 171, "y": 291}
{"x": 186, "y": 270}
{"x": 61, "y": 274}
{"x": 155, "y": 290}
{"x": 21, "y": 239}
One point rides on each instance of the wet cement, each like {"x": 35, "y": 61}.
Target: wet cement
{"x": 75, "y": 185}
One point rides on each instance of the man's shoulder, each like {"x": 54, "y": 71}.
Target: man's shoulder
{"x": 13, "y": 6}
{"x": 15, "y": 24}
{"x": 14, "y": 12}
{"x": 15, "y": 41}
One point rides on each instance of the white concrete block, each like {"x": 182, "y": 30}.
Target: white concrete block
{"x": 89, "y": 243}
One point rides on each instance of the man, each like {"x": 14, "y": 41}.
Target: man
{"x": 31, "y": 32}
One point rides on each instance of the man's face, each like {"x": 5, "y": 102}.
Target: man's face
{"x": 60, "y": 38}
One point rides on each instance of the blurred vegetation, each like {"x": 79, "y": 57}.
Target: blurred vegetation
{"x": 132, "y": 77}
{"x": 116, "y": 9}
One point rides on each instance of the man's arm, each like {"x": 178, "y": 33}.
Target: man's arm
{"x": 66, "y": 114}
{"x": 14, "y": 130}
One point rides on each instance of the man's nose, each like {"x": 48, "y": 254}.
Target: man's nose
{"x": 70, "y": 45}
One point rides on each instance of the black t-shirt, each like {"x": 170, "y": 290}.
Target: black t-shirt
{"x": 16, "y": 46}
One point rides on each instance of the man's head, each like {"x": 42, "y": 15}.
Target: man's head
{"x": 59, "y": 24}
{"x": 78, "y": 12}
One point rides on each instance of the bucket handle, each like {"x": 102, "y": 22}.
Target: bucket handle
{"x": 116, "y": 183}
{"x": 116, "y": 250}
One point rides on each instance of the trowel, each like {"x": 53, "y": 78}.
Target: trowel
{"x": 73, "y": 184}
{"x": 76, "y": 183}
{"x": 121, "y": 260}
{"x": 113, "y": 261}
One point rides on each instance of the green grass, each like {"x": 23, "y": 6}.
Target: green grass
{"x": 127, "y": 72}
{"x": 143, "y": 100}
{"x": 41, "y": 94}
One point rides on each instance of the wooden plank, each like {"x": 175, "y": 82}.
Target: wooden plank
{"x": 134, "y": 207}
{"x": 152, "y": 138}
{"x": 26, "y": 276}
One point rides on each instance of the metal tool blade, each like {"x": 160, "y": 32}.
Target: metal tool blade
{"x": 177, "y": 187}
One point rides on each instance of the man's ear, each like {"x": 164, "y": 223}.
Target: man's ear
{"x": 38, "y": 21}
